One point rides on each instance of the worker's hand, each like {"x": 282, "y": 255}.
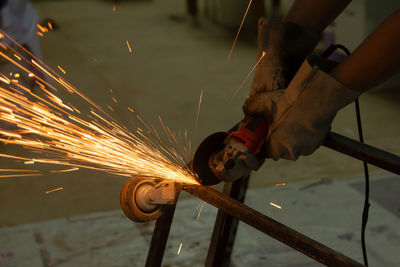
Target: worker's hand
{"x": 285, "y": 46}
{"x": 300, "y": 116}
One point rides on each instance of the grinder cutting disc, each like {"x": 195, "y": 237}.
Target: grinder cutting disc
{"x": 210, "y": 145}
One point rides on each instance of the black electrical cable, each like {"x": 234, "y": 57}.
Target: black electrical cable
{"x": 366, "y": 199}
{"x": 364, "y": 219}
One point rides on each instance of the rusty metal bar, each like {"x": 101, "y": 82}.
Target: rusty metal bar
{"x": 225, "y": 227}
{"x": 160, "y": 236}
{"x": 363, "y": 152}
{"x": 286, "y": 235}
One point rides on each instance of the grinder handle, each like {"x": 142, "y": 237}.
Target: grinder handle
{"x": 251, "y": 134}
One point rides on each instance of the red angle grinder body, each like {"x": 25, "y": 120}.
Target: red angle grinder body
{"x": 227, "y": 157}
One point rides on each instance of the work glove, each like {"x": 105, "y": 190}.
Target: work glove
{"x": 285, "y": 45}
{"x": 300, "y": 116}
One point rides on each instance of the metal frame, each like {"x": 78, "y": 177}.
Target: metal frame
{"x": 231, "y": 210}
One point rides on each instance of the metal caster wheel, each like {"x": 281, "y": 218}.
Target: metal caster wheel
{"x": 136, "y": 202}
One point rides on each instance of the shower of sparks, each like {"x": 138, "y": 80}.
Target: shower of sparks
{"x": 281, "y": 184}
{"x": 129, "y": 46}
{"x": 61, "y": 69}
{"x": 34, "y": 116}
{"x": 275, "y": 205}
{"x": 179, "y": 249}
{"x": 247, "y": 77}
{"x": 54, "y": 190}
{"x": 240, "y": 28}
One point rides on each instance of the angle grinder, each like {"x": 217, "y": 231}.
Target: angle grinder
{"x": 228, "y": 156}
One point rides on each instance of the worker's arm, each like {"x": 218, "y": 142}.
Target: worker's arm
{"x": 301, "y": 115}
{"x": 283, "y": 45}
{"x": 375, "y": 60}
{"x": 315, "y": 15}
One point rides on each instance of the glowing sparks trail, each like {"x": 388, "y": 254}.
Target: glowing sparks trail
{"x": 179, "y": 249}
{"x": 20, "y": 175}
{"x": 61, "y": 69}
{"x": 129, "y": 46}
{"x": 240, "y": 28}
{"x": 34, "y": 115}
{"x": 275, "y": 205}
{"x": 201, "y": 208}
{"x": 247, "y": 77}
{"x": 54, "y": 190}
{"x": 67, "y": 170}
{"x": 198, "y": 110}
{"x": 281, "y": 184}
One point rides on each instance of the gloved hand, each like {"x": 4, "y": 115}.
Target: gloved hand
{"x": 301, "y": 115}
{"x": 285, "y": 45}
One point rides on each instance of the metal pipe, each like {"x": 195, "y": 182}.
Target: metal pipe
{"x": 364, "y": 152}
{"x": 290, "y": 237}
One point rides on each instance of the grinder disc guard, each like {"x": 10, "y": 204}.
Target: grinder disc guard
{"x": 210, "y": 145}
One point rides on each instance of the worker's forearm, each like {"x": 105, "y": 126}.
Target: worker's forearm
{"x": 315, "y": 15}
{"x": 375, "y": 60}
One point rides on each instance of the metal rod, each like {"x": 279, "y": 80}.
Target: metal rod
{"x": 286, "y": 235}
{"x": 160, "y": 236}
{"x": 364, "y": 152}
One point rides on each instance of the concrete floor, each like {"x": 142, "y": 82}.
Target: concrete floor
{"x": 314, "y": 208}
{"x": 170, "y": 64}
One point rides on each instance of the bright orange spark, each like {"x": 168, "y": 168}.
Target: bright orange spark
{"x": 114, "y": 8}
{"x": 281, "y": 184}
{"x": 115, "y": 100}
{"x": 17, "y": 170}
{"x": 247, "y": 77}
{"x": 240, "y": 28}
{"x": 4, "y": 80}
{"x": 275, "y": 205}
{"x": 40, "y": 34}
{"x": 67, "y": 170}
{"x": 59, "y": 134}
{"x": 198, "y": 109}
{"x": 20, "y": 175}
{"x": 179, "y": 249}
{"x": 18, "y": 57}
{"x": 54, "y": 190}
{"x": 40, "y": 27}
{"x": 61, "y": 69}
{"x": 201, "y": 208}
{"x": 129, "y": 47}
{"x": 50, "y": 25}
